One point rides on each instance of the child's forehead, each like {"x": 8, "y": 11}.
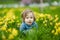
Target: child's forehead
{"x": 30, "y": 13}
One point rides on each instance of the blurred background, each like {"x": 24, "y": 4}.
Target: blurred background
{"x": 47, "y": 13}
{"x": 32, "y": 3}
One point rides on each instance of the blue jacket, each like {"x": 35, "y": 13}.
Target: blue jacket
{"x": 25, "y": 27}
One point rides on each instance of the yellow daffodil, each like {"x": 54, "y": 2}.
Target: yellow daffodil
{"x": 11, "y": 37}
{"x": 41, "y": 15}
{"x": 51, "y": 23}
{"x": 3, "y": 28}
{"x": 3, "y": 37}
{"x": 56, "y": 19}
{"x": 1, "y": 23}
{"x": 55, "y": 27}
{"x": 56, "y": 33}
{"x": 58, "y": 29}
{"x": 9, "y": 30}
{"x": 53, "y": 31}
{"x": 57, "y": 24}
{"x": 14, "y": 32}
{"x": 56, "y": 15}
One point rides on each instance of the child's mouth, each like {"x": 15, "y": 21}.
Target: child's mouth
{"x": 29, "y": 22}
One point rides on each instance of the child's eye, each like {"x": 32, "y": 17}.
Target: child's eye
{"x": 31, "y": 17}
{"x": 27, "y": 17}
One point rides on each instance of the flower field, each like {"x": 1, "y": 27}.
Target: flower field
{"x": 48, "y": 24}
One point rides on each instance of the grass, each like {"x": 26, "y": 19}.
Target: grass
{"x": 10, "y": 21}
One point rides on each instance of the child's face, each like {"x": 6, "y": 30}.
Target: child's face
{"x": 29, "y": 18}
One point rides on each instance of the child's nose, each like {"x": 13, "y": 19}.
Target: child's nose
{"x": 29, "y": 18}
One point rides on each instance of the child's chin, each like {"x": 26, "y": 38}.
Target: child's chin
{"x": 29, "y": 24}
